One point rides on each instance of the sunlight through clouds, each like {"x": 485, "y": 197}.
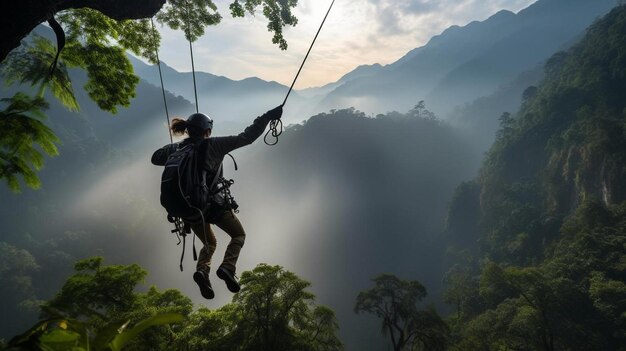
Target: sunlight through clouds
{"x": 357, "y": 32}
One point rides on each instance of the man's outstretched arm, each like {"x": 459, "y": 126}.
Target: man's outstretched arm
{"x": 224, "y": 145}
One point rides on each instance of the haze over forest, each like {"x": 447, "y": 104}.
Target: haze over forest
{"x": 479, "y": 164}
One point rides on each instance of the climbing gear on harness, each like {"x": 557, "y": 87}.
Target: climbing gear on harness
{"x": 224, "y": 197}
{"x": 181, "y": 229}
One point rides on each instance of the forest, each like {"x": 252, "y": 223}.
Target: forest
{"x": 368, "y": 231}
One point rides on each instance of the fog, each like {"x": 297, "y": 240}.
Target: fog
{"x": 340, "y": 200}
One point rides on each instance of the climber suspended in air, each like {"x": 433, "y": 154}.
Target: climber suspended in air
{"x": 193, "y": 189}
{"x": 208, "y": 201}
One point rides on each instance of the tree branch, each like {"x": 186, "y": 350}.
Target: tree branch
{"x": 19, "y": 18}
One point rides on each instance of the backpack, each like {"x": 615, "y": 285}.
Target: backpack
{"x": 184, "y": 192}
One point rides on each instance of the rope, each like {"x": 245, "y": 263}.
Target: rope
{"x": 308, "y": 52}
{"x": 156, "y": 51}
{"x": 193, "y": 68}
{"x": 275, "y": 132}
{"x": 193, "y": 73}
{"x": 276, "y": 126}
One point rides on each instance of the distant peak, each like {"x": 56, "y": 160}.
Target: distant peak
{"x": 504, "y": 13}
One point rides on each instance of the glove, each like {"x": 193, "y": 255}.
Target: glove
{"x": 275, "y": 113}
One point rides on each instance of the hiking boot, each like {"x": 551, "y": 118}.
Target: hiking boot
{"x": 202, "y": 279}
{"x": 229, "y": 277}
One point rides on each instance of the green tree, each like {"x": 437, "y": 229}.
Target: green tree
{"x": 461, "y": 291}
{"x": 396, "y": 301}
{"x": 17, "y": 293}
{"x": 278, "y": 313}
{"x": 23, "y": 136}
{"x": 101, "y": 294}
{"x": 98, "y": 308}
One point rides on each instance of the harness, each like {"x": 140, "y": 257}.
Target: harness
{"x": 182, "y": 228}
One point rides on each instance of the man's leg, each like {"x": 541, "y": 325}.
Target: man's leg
{"x": 209, "y": 243}
{"x": 230, "y": 224}
{"x": 206, "y": 253}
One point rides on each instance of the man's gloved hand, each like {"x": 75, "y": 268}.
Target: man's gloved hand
{"x": 275, "y": 113}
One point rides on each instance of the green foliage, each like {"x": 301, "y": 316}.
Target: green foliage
{"x": 396, "y": 301}
{"x": 192, "y": 16}
{"x": 552, "y": 221}
{"x": 96, "y": 288}
{"x": 23, "y": 136}
{"x": 277, "y": 12}
{"x": 31, "y": 65}
{"x": 462, "y": 292}
{"x": 98, "y": 308}
{"x": 104, "y": 297}
{"x": 279, "y": 313}
{"x": 273, "y": 311}
{"x": 68, "y": 334}
{"x": 17, "y": 292}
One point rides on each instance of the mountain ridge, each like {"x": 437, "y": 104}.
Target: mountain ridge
{"x": 420, "y": 74}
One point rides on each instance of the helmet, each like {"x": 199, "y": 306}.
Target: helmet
{"x": 200, "y": 120}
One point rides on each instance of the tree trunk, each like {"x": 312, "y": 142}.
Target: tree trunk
{"x": 20, "y": 17}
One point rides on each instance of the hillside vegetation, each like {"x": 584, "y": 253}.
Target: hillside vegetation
{"x": 541, "y": 264}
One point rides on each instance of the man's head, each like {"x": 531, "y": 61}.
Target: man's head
{"x": 198, "y": 125}
{"x": 200, "y": 121}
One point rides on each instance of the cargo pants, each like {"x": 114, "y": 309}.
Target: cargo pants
{"x": 230, "y": 224}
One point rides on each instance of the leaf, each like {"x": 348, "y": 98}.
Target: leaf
{"x": 106, "y": 335}
{"x": 123, "y": 338}
{"x": 60, "y": 336}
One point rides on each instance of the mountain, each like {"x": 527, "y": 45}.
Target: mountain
{"x": 465, "y": 63}
{"x": 221, "y": 97}
{"x": 536, "y": 242}
{"x": 360, "y": 71}
{"x": 480, "y": 118}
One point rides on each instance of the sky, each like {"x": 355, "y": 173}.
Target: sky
{"x": 356, "y": 32}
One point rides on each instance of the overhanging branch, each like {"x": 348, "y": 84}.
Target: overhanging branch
{"x": 19, "y": 17}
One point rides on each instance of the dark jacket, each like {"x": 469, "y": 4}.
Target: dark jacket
{"x": 216, "y": 148}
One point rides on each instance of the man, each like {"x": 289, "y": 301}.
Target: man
{"x": 211, "y": 151}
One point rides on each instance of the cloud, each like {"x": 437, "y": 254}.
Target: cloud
{"x": 357, "y": 32}
{"x": 400, "y": 17}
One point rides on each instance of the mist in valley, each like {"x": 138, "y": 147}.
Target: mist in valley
{"x": 359, "y": 184}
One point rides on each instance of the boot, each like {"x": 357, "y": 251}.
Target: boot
{"x": 202, "y": 279}
{"x": 229, "y": 277}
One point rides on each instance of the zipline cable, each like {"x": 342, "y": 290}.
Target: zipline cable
{"x": 156, "y": 51}
{"x": 276, "y": 124}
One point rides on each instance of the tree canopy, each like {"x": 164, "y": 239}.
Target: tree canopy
{"x": 273, "y": 311}
{"x": 540, "y": 233}
{"x": 395, "y": 301}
